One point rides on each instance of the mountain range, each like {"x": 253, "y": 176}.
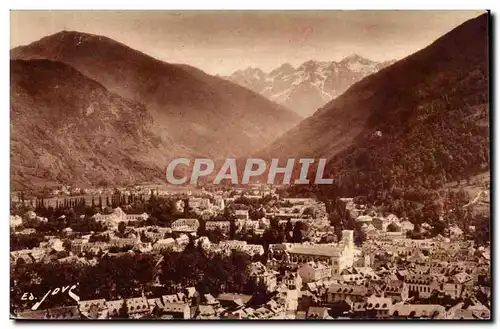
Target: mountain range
{"x": 187, "y": 113}
{"x": 86, "y": 109}
{"x": 309, "y": 86}
{"x": 421, "y": 122}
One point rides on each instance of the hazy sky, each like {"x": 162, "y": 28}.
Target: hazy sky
{"x": 221, "y": 42}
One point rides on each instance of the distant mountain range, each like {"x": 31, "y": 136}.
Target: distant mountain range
{"x": 309, "y": 86}
{"x": 92, "y": 87}
{"x": 422, "y": 121}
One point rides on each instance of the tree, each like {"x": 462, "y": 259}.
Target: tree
{"x": 359, "y": 235}
{"x": 121, "y": 228}
{"x": 67, "y": 245}
{"x": 393, "y": 228}
{"x": 123, "y": 312}
{"x": 232, "y": 228}
{"x": 297, "y": 232}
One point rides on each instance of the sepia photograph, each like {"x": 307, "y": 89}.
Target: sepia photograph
{"x": 217, "y": 165}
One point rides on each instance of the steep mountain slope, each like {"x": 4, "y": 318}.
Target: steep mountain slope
{"x": 309, "y": 86}
{"x": 68, "y": 128}
{"x": 420, "y": 122}
{"x": 206, "y": 114}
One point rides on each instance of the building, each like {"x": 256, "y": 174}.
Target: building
{"x": 241, "y": 214}
{"x": 16, "y": 221}
{"x": 262, "y": 276}
{"x": 223, "y": 226}
{"x": 178, "y": 310}
{"x": 185, "y": 225}
{"x": 56, "y": 313}
{"x": 418, "y": 311}
{"x": 117, "y": 216}
{"x": 56, "y": 244}
{"x": 200, "y": 203}
{"x": 364, "y": 219}
{"x": 317, "y": 313}
{"x": 338, "y": 257}
{"x": 137, "y": 307}
{"x": 378, "y": 307}
{"x": 381, "y": 223}
{"x": 164, "y": 244}
{"x": 204, "y": 242}
{"x": 396, "y": 290}
{"x": 407, "y": 226}
{"x": 93, "y": 309}
{"x": 315, "y": 271}
{"x": 423, "y": 284}
{"x": 219, "y": 203}
{"x": 292, "y": 281}
{"x": 339, "y": 292}
{"x": 114, "y": 307}
{"x": 124, "y": 242}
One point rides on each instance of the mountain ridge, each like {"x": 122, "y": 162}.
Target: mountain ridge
{"x": 418, "y": 123}
{"x": 310, "y": 85}
{"x": 64, "y": 128}
{"x": 188, "y": 107}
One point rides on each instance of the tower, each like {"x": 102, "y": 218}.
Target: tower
{"x": 348, "y": 238}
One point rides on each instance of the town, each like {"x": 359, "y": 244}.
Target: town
{"x": 236, "y": 253}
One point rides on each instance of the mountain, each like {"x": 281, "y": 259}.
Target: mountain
{"x": 418, "y": 123}
{"x": 207, "y": 115}
{"x": 311, "y": 85}
{"x": 68, "y": 128}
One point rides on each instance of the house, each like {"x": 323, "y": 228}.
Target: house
{"x": 223, "y": 226}
{"x": 114, "y": 307}
{"x": 364, "y": 219}
{"x": 317, "y": 313}
{"x": 27, "y": 231}
{"x": 137, "y": 307}
{"x": 292, "y": 280}
{"x": 418, "y": 311}
{"x": 262, "y": 276}
{"x": 164, "y": 244}
{"x": 378, "y": 307}
{"x": 186, "y": 225}
{"x": 396, "y": 290}
{"x": 407, "y": 226}
{"x": 117, "y": 216}
{"x": 124, "y": 242}
{"x": 183, "y": 239}
{"x": 203, "y": 242}
{"x": 241, "y": 214}
{"x": 357, "y": 279}
{"x": 315, "y": 271}
{"x": 338, "y": 257}
{"x": 57, "y": 313}
{"x": 192, "y": 296}
{"x": 56, "y": 244}
{"x": 23, "y": 254}
{"x": 339, "y": 292}
{"x": 233, "y": 245}
{"x": 93, "y": 309}
{"x": 16, "y": 221}
{"x": 468, "y": 314}
{"x": 233, "y": 300}
{"x": 206, "y": 312}
{"x": 381, "y": 223}
{"x": 423, "y": 284}
{"x": 455, "y": 232}
{"x": 210, "y": 300}
{"x": 178, "y": 310}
